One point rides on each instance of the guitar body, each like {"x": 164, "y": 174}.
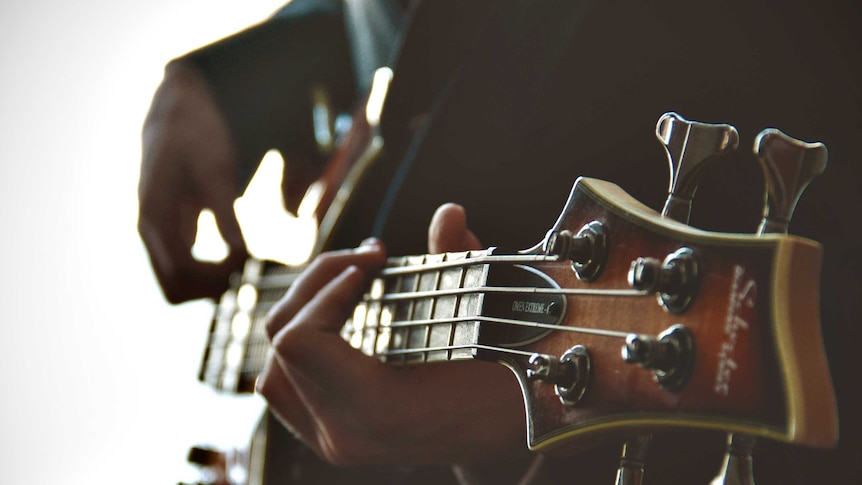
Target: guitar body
{"x": 237, "y": 345}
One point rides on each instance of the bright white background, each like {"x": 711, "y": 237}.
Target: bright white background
{"x": 97, "y": 373}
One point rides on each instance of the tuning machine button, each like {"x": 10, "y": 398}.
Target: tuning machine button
{"x": 570, "y": 374}
{"x": 675, "y": 279}
{"x": 587, "y": 250}
{"x": 691, "y": 146}
{"x": 788, "y": 165}
{"x": 670, "y": 355}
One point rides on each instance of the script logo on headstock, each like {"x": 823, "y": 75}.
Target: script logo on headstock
{"x": 740, "y": 305}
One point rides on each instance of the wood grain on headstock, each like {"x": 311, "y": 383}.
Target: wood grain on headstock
{"x": 759, "y": 368}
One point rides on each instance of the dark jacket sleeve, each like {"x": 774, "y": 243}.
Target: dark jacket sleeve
{"x": 262, "y": 79}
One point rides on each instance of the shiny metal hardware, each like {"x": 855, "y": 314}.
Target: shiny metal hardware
{"x": 788, "y": 165}
{"x": 587, "y": 250}
{"x": 543, "y": 368}
{"x": 570, "y": 374}
{"x": 676, "y": 279}
{"x": 738, "y": 466}
{"x": 576, "y": 363}
{"x": 670, "y": 356}
{"x": 323, "y": 120}
{"x": 633, "y": 460}
{"x": 690, "y": 147}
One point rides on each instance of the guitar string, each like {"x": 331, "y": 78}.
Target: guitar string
{"x": 397, "y": 352}
{"x": 260, "y": 362}
{"x": 395, "y": 267}
{"x": 260, "y": 336}
{"x": 275, "y": 281}
{"x": 503, "y": 321}
{"x": 424, "y": 351}
{"x": 257, "y": 362}
{"x": 261, "y": 308}
{"x": 464, "y": 263}
{"x": 264, "y": 306}
{"x": 518, "y": 290}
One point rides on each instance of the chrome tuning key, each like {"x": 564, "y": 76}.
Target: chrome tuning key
{"x": 690, "y": 147}
{"x": 670, "y": 355}
{"x": 788, "y": 165}
{"x": 675, "y": 279}
{"x": 633, "y": 460}
{"x": 570, "y": 374}
{"x": 738, "y": 465}
{"x": 587, "y": 250}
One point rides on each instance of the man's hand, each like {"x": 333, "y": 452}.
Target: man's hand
{"x": 188, "y": 164}
{"x": 352, "y": 409}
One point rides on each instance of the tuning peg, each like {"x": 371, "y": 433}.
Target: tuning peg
{"x": 587, "y": 250}
{"x": 788, "y": 165}
{"x": 690, "y": 146}
{"x": 570, "y": 374}
{"x": 633, "y": 460}
{"x": 738, "y": 466}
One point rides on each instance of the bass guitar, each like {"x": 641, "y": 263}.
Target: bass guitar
{"x": 622, "y": 321}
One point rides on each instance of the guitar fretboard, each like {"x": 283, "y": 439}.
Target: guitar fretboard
{"x": 411, "y": 313}
{"x": 237, "y": 346}
{"x": 414, "y": 312}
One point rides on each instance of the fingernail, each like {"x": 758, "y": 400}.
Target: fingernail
{"x": 368, "y": 245}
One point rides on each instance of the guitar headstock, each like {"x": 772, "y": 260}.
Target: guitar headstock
{"x": 658, "y": 325}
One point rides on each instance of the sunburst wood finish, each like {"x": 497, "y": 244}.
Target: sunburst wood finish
{"x": 759, "y": 368}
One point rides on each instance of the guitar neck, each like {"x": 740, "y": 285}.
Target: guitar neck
{"x": 454, "y": 306}
{"x": 237, "y": 345}
{"x": 425, "y": 308}
{"x": 421, "y": 309}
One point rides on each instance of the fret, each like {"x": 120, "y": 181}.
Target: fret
{"x": 257, "y": 350}
{"x": 372, "y": 319}
{"x": 440, "y": 334}
{"x": 407, "y": 310}
{"x": 238, "y": 347}
{"x": 356, "y": 325}
{"x": 423, "y": 309}
{"x": 466, "y": 333}
{"x": 384, "y": 338}
{"x": 447, "y": 334}
{"x": 213, "y": 360}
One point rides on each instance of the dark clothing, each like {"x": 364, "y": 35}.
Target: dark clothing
{"x": 519, "y": 98}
